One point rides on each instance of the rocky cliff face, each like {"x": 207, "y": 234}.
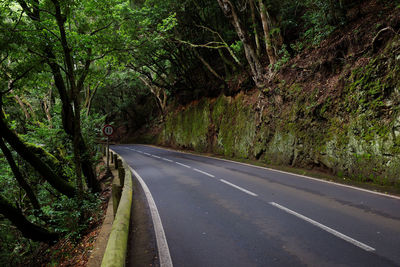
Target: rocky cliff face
{"x": 349, "y": 125}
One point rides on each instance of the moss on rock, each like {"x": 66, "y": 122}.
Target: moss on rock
{"x": 354, "y": 134}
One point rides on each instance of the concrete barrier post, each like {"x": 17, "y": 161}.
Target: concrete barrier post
{"x": 119, "y": 164}
{"x": 116, "y": 161}
{"x": 121, "y": 174}
{"x": 116, "y": 192}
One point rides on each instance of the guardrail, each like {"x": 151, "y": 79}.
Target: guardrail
{"x": 117, "y": 244}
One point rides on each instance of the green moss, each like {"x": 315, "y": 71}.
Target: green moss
{"x": 49, "y": 159}
{"x": 188, "y": 128}
{"x": 46, "y": 156}
{"x": 218, "y": 109}
{"x": 354, "y": 134}
{"x": 236, "y": 128}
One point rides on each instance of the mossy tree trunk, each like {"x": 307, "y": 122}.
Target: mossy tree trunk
{"x": 18, "y": 175}
{"x": 38, "y": 164}
{"x": 28, "y": 229}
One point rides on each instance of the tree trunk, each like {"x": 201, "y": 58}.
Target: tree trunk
{"x": 89, "y": 99}
{"x": 254, "y": 21}
{"x": 74, "y": 127}
{"x": 161, "y": 102}
{"x": 28, "y": 229}
{"x": 42, "y": 168}
{"x": 22, "y": 105}
{"x": 69, "y": 121}
{"x": 207, "y": 65}
{"x": 70, "y": 94}
{"x": 46, "y": 108}
{"x": 251, "y": 56}
{"x": 227, "y": 64}
{"x": 18, "y": 175}
{"x": 87, "y": 168}
{"x": 77, "y": 151}
{"x": 268, "y": 42}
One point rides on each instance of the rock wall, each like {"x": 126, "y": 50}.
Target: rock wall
{"x": 353, "y": 132}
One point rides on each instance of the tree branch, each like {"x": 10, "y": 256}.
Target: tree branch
{"x": 11, "y": 83}
{"x": 27, "y": 10}
{"x": 100, "y": 29}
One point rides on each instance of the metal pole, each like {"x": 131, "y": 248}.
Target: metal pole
{"x": 108, "y": 152}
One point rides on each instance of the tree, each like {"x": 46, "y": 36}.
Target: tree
{"x": 266, "y": 22}
{"x": 18, "y": 176}
{"x": 256, "y": 68}
{"x": 47, "y": 52}
{"x": 28, "y": 229}
{"x": 69, "y": 53}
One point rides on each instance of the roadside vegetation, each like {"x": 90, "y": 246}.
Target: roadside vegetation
{"x": 309, "y": 84}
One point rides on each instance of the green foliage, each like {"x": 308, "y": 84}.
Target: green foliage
{"x": 14, "y": 249}
{"x": 91, "y": 35}
{"x": 284, "y": 58}
{"x": 72, "y": 216}
{"x": 371, "y": 86}
{"x": 91, "y": 130}
{"x": 8, "y": 185}
{"x": 316, "y": 33}
{"x": 237, "y": 47}
{"x": 168, "y": 23}
{"x": 125, "y": 41}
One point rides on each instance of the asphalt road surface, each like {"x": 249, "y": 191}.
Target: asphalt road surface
{"x": 221, "y": 213}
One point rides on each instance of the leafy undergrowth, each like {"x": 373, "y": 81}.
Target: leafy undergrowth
{"x": 74, "y": 250}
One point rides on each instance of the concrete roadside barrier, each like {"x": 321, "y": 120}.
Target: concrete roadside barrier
{"x": 117, "y": 244}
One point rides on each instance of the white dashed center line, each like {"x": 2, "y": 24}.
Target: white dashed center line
{"x": 205, "y": 173}
{"x": 183, "y": 165}
{"x": 240, "y": 188}
{"x": 324, "y": 227}
{"x": 202, "y": 172}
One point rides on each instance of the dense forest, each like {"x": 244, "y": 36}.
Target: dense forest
{"x": 268, "y": 80}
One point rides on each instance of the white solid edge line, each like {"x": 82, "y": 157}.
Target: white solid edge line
{"x": 183, "y": 165}
{"x": 326, "y": 228}
{"x": 240, "y": 188}
{"x": 205, "y": 173}
{"x": 293, "y": 174}
{"x": 162, "y": 245}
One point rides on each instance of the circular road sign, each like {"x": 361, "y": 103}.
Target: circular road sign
{"x": 108, "y": 130}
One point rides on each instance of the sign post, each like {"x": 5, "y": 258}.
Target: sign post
{"x": 108, "y": 131}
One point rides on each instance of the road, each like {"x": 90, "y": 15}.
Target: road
{"x": 222, "y": 213}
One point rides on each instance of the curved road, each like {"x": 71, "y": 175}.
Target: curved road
{"x": 222, "y": 213}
